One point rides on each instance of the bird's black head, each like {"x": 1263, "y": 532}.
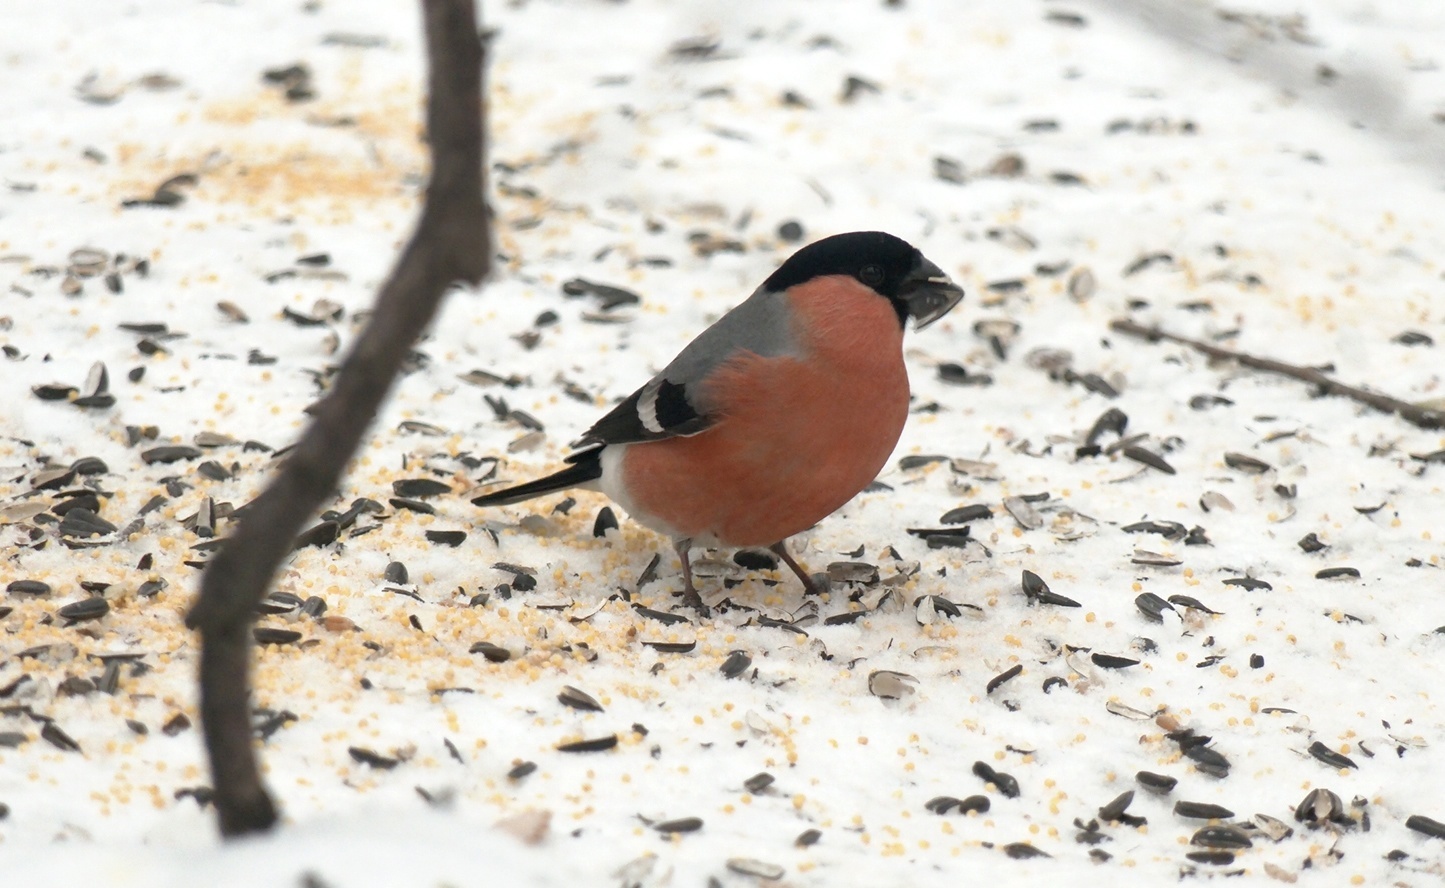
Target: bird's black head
{"x": 890, "y": 266}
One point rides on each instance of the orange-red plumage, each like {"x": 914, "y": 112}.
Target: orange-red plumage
{"x": 796, "y": 437}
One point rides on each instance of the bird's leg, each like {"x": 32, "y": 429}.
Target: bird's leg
{"x": 780, "y": 549}
{"x": 690, "y": 597}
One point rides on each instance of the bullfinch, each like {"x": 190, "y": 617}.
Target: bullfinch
{"x": 773, "y": 417}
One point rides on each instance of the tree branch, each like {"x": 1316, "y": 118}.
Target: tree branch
{"x": 1423, "y": 417}
{"x": 452, "y": 243}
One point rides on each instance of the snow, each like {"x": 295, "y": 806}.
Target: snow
{"x": 1300, "y": 213}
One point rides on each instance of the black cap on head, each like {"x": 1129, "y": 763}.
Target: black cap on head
{"x": 890, "y": 266}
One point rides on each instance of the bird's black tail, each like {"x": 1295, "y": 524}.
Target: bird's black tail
{"x": 587, "y": 467}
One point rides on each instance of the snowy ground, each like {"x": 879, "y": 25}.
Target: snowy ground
{"x": 1262, "y": 180}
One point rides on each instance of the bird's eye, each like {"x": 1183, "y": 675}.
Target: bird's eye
{"x": 872, "y": 275}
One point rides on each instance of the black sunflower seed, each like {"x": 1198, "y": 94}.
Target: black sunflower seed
{"x": 1330, "y": 757}
{"x": 807, "y": 838}
{"x": 322, "y": 534}
{"x": 85, "y": 609}
{"x": 1112, "y": 661}
{"x": 1115, "y": 809}
{"x": 672, "y": 647}
{"x": 493, "y": 653}
{"x": 758, "y": 782}
{"x": 270, "y": 635}
{"x": 419, "y": 488}
{"x": 965, "y": 514}
{"x": 85, "y": 523}
{"x": 412, "y": 505}
{"x": 578, "y": 699}
{"x": 1319, "y": 806}
{"x": 1249, "y": 583}
{"x": 1111, "y": 420}
{"x": 736, "y": 664}
{"x": 1246, "y": 463}
{"x": 1201, "y": 810}
{"x": 371, "y": 758}
{"x": 451, "y": 538}
{"x": 1154, "y": 461}
{"x": 1170, "y": 530}
{"x": 521, "y": 769}
{"x": 662, "y": 617}
{"x": 1161, "y": 784}
{"x": 1310, "y": 543}
{"x": 53, "y": 391}
{"x": 606, "y": 520}
{"x": 176, "y": 724}
{"x": 941, "y": 804}
{"x": 1191, "y": 601}
{"x": 1007, "y": 786}
{"x": 395, "y": 573}
{"x": 596, "y": 744}
{"x": 998, "y": 680}
{"x": 28, "y": 587}
{"x": 844, "y": 618}
{"x": 678, "y": 825}
{"x": 1213, "y": 858}
{"x": 1152, "y": 606}
{"x": 1333, "y": 573}
{"x": 89, "y": 465}
{"x": 1038, "y": 592}
{"x": 55, "y": 736}
{"x": 1426, "y": 826}
{"x": 1023, "y": 851}
{"x": 1221, "y": 836}
{"x": 169, "y": 454}
{"x": 1207, "y": 760}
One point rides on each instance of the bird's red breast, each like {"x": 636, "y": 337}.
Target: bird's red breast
{"x": 798, "y": 435}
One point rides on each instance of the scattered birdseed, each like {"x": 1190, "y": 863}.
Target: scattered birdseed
{"x": 1023, "y": 851}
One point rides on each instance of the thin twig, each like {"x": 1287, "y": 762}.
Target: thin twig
{"x": 1423, "y": 417}
{"x": 452, "y": 243}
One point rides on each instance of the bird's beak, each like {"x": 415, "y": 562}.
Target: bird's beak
{"x": 929, "y": 294}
